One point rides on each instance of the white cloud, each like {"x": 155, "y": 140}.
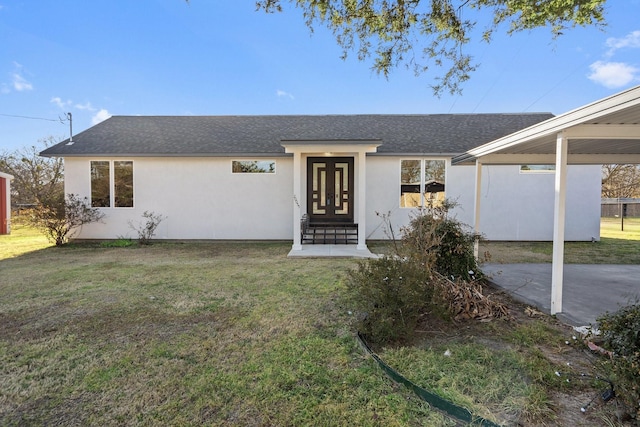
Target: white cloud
{"x": 100, "y": 116}
{"x": 60, "y": 103}
{"x": 86, "y": 106}
{"x": 283, "y": 94}
{"x": 631, "y": 40}
{"x": 19, "y": 83}
{"x": 613, "y": 74}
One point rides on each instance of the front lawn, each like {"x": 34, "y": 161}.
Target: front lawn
{"x": 238, "y": 334}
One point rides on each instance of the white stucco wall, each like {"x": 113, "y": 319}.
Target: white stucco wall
{"x": 514, "y": 205}
{"x": 519, "y": 206}
{"x": 383, "y": 196}
{"x": 200, "y": 198}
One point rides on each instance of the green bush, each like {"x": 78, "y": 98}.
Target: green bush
{"x": 391, "y": 295}
{"x": 435, "y": 239}
{"x": 621, "y": 334}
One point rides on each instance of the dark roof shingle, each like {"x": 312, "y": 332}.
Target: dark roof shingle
{"x": 262, "y": 135}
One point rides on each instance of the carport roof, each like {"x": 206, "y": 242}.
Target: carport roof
{"x": 605, "y": 131}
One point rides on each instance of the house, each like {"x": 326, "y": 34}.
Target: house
{"x": 5, "y": 203}
{"x": 297, "y": 177}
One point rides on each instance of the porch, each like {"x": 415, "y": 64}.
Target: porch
{"x": 331, "y": 251}
{"x": 329, "y": 200}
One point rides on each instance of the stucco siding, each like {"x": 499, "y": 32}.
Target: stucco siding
{"x": 200, "y": 198}
{"x": 383, "y": 195}
{"x": 520, "y": 206}
{"x": 514, "y": 205}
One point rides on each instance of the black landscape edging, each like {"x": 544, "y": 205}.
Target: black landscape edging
{"x": 449, "y": 408}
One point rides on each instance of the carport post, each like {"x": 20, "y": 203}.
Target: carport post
{"x": 558, "y": 223}
{"x": 297, "y": 191}
{"x": 476, "y": 209}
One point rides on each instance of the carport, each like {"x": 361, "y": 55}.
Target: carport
{"x": 605, "y": 131}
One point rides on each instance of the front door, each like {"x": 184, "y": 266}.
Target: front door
{"x": 330, "y": 189}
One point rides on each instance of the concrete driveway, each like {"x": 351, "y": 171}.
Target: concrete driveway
{"x": 588, "y": 291}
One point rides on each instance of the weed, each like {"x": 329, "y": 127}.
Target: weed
{"x": 120, "y": 242}
{"x": 147, "y": 229}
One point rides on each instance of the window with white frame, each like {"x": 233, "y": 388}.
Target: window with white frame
{"x": 422, "y": 182}
{"x": 112, "y": 184}
{"x": 537, "y": 168}
{"x": 253, "y": 166}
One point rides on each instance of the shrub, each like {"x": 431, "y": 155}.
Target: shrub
{"x": 436, "y": 240}
{"x": 621, "y": 334}
{"x": 60, "y": 221}
{"x": 147, "y": 229}
{"x": 432, "y": 271}
{"x": 391, "y": 295}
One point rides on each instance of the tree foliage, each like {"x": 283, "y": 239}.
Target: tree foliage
{"x": 422, "y": 34}
{"x": 620, "y": 181}
{"x": 37, "y": 180}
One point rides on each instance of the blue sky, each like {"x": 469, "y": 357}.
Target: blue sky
{"x": 100, "y": 58}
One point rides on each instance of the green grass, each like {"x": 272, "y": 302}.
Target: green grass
{"x": 615, "y": 247}
{"x": 22, "y": 239}
{"x": 218, "y": 334}
{"x": 185, "y": 334}
{"x": 233, "y": 334}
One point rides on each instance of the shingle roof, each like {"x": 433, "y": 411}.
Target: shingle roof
{"x": 262, "y": 135}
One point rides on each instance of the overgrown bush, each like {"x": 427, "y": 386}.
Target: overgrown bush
{"x": 391, "y": 296}
{"x": 436, "y": 240}
{"x": 431, "y": 271}
{"x": 147, "y": 229}
{"x": 621, "y": 334}
{"x": 61, "y": 221}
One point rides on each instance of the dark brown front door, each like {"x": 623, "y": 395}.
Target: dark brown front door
{"x": 330, "y": 189}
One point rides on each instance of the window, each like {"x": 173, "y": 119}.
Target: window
{"x": 100, "y": 187}
{"x": 123, "y": 184}
{"x": 537, "y": 168}
{"x": 111, "y": 178}
{"x": 421, "y": 182}
{"x": 253, "y": 166}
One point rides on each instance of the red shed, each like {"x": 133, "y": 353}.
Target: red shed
{"x": 5, "y": 203}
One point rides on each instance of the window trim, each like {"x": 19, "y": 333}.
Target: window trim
{"x": 551, "y": 169}
{"x": 423, "y": 183}
{"x": 112, "y": 186}
{"x": 257, "y": 161}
